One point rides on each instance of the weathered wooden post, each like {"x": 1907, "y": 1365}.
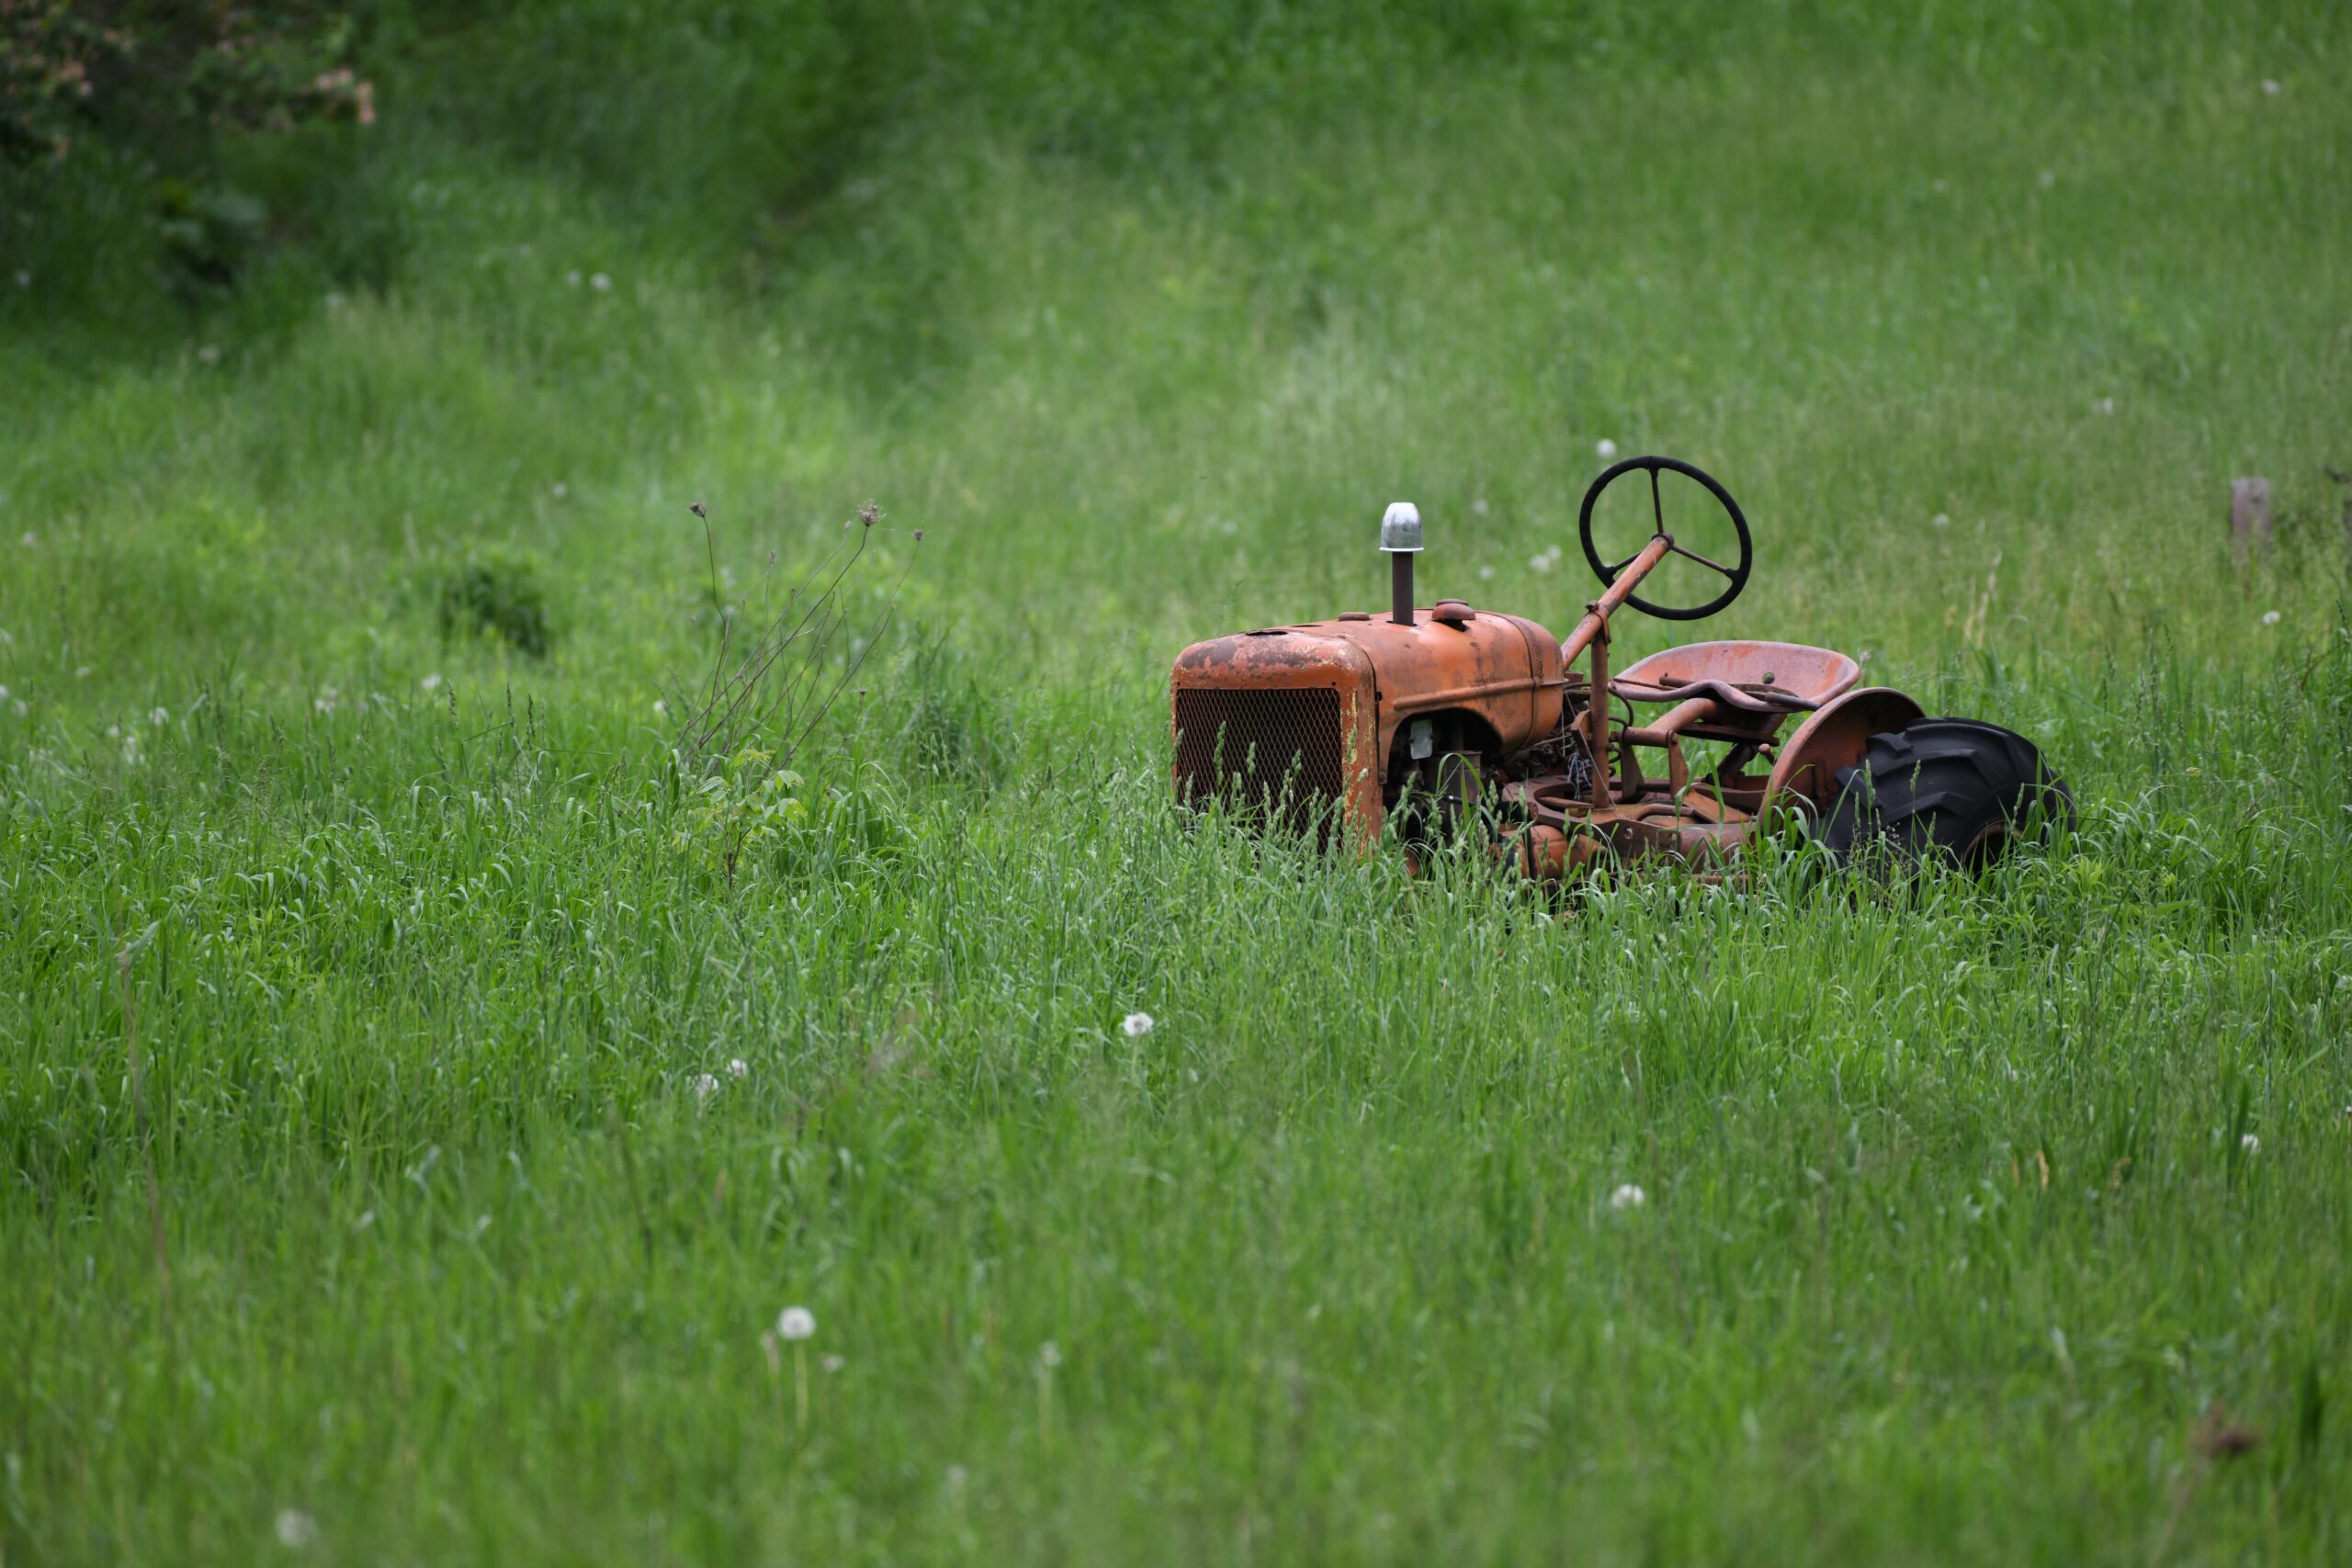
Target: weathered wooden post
{"x": 2249, "y": 517}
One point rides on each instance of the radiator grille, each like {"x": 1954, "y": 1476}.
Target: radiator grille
{"x": 1279, "y": 751}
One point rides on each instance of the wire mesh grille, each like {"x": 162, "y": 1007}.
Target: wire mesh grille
{"x": 1277, "y": 752}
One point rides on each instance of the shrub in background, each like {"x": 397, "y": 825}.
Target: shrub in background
{"x": 497, "y": 593}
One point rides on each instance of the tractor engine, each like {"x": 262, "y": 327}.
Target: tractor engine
{"x": 1329, "y": 725}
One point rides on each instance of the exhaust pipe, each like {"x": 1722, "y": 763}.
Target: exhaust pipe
{"x": 1401, "y": 536}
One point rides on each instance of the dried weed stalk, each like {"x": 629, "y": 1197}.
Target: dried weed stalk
{"x": 775, "y": 690}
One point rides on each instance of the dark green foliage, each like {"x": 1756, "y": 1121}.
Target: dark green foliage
{"x": 496, "y": 593}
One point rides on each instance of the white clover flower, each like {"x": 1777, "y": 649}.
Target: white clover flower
{"x": 2250, "y": 1144}
{"x": 796, "y": 1324}
{"x": 1049, "y": 1355}
{"x": 296, "y": 1529}
{"x": 2269, "y": 617}
{"x": 737, "y": 1067}
{"x": 159, "y": 716}
{"x": 704, "y": 1086}
{"x": 1605, "y": 449}
{"x": 1628, "y": 1196}
{"x": 431, "y": 683}
{"x": 660, "y": 707}
{"x": 600, "y": 283}
{"x": 1136, "y": 1024}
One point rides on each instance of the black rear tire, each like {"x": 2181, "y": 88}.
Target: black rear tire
{"x": 1949, "y": 787}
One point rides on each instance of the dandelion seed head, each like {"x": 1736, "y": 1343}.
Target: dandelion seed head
{"x": 296, "y": 1529}
{"x": 1136, "y": 1024}
{"x": 1605, "y": 449}
{"x": 831, "y": 1363}
{"x": 704, "y": 1086}
{"x": 1539, "y": 563}
{"x": 737, "y": 1067}
{"x": 600, "y": 283}
{"x": 2250, "y": 1144}
{"x": 572, "y": 277}
{"x": 796, "y": 1324}
{"x": 209, "y": 353}
{"x": 2269, "y": 617}
{"x": 2269, "y": 90}
{"x": 431, "y": 683}
{"x": 1628, "y": 1196}
{"x": 1049, "y": 1355}
{"x": 1941, "y": 520}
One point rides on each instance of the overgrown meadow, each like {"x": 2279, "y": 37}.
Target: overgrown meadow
{"x": 421, "y": 1090}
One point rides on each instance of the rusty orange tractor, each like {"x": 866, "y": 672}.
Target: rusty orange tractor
{"x": 1432, "y": 719}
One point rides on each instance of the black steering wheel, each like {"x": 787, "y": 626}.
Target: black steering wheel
{"x": 1608, "y": 575}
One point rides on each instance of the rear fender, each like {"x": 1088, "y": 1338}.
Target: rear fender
{"x": 1836, "y": 737}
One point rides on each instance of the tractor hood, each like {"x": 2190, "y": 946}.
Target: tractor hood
{"x": 1503, "y": 670}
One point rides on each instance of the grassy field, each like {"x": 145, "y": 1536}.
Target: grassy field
{"x": 411, "y": 1133}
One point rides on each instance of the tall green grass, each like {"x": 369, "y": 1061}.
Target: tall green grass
{"x": 1965, "y": 1211}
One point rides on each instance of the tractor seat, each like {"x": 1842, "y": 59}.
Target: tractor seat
{"x": 1751, "y": 677}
